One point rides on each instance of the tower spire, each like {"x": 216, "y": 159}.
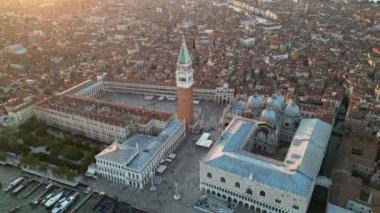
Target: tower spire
{"x": 184, "y": 55}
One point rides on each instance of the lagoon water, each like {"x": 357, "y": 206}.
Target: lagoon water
{"x": 9, "y": 201}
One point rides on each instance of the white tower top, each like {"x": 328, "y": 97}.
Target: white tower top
{"x": 184, "y": 73}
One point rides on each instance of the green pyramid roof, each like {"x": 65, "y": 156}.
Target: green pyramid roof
{"x": 184, "y": 55}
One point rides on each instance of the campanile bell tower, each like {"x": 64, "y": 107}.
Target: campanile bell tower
{"x": 184, "y": 76}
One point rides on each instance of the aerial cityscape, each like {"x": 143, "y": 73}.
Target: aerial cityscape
{"x": 185, "y": 106}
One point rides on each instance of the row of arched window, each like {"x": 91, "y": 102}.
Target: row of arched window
{"x": 237, "y": 185}
{"x": 238, "y": 195}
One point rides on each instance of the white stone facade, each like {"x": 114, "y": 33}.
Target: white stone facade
{"x": 91, "y": 128}
{"x": 249, "y": 193}
{"x": 101, "y": 120}
{"x": 19, "y": 117}
{"x": 219, "y": 94}
{"x": 18, "y": 114}
{"x": 93, "y": 89}
{"x": 224, "y": 94}
{"x": 89, "y": 89}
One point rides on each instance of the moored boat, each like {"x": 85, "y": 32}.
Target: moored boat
{"x": 13, "y": 184}
{"x": 47, "y": 198}
{"x": 65, "y": 204}
{"x": 49, "y": 203}
{"x": 18, "y": 189}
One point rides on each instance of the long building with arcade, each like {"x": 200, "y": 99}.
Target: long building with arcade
{"x": 93, "y": 88}
{"x": 238, "y": 170}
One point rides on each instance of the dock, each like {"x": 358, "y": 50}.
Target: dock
{"x": 99, "y": 201}
{"x": 15, "y": 209}
{"x": 116, "y": 206}
{"x": 81, "y": 203}
{"x": 31, "y": 191}
{"x": 42, "y": 194}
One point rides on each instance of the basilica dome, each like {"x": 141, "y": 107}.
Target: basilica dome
{"x": 292, "y": 110}
{"x": 274, "y": 103}
{"x": 280, "y": 97}
{"x": 269, "y": 116}
{"x": 255, "y": 102}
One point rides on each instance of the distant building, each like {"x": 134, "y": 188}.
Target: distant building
{"x": 248, "y": 42}
{"x": 96, "y": 19}
{"x": 131, "y": 161}
{"x": 18, "y": 111}
{"x": 16, "y": 49}
{"x": 224, "y": 94}
{"x": 355, "y": 171}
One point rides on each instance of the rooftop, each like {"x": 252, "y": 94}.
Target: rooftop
{"x": 184, "y": 55}
{"x": 355, "y": 151}
{"x": 105, "y": 111}
{"x": 137, "y": 151}
{"x": 78, "y": 88}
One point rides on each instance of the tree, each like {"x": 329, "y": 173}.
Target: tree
{"x": 27, "y": 137}
{"x": 32, "y": 140}
{"x": 41, "y": 131}
{"x": 60, "y": 170}
{"x": 43, "y": 167}
{"x": 68, "y": 139}
{"x": 55, "y": 143}
{"x": 42, "y": 156}
{"x": 4, "y": 144}
{"x": 27, "y": 127}
{"x": 70, "y": 175}
{"x": 95, "y": 149}
{"x": 3, "y": 156}
{"x": 30, "y": 160}
{"x": 87, "y": 160}
{"x": 16, "y": 147}
{"x": 71, "y": 153}
{"x": 12, "y": 140}
{"x": 6, "y": 132}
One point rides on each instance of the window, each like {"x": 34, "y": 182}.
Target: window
{"x": 262, "y": 193}
{"x": 222, "y": 179}
{"x": 209, "y": 175}
{"x": 295, "y": 207}
{"x": 249, "y": 191}
{"x": 356, "y": 151}
{"x": 277, "y": 200}
{"x": 237, "y": 185}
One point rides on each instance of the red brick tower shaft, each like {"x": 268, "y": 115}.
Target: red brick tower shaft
{"x": 185, "y": 105}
